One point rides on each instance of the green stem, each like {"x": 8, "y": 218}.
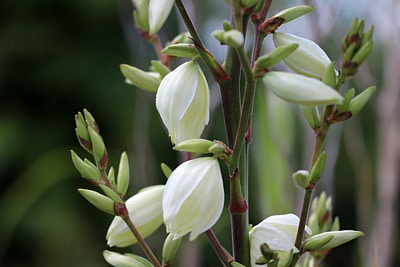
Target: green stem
{"x": 149, "y": 253}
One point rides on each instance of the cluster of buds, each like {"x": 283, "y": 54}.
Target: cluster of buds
{"x": 356, "y": 46}
{"x": 325, "y": 229}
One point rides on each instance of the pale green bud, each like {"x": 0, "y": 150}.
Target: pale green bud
{"x": 183, "y": 37}
{"x": 98, "y": 200}
{"x": 248, "y": 3}
{"x": 148, "y": 81}
{"x": 111, "y": 177}
{"x": 329, "y": 75}
{"x": 294, "y": 12}
{"x": 336, "y": 224}
{"x": 308, "y": 59}
{"x": 180, "y": 50}
{"x": 81, "y": 129}
{"x": 170, "y": 248}
{"x": 183, "y": 102}
{"x": 200, "y": 146}
{"x": 193, "y": 198}
{"x": 123, "y": 174}
{"x": 301, "y": 178}
{"x": 363, "y": 53}
{"x": 141, "y": 14}
{"x": 336, "y": 238}
{"x": 358, "y": 102}
{"x": 318, "y": 168}
{"x": 232, "y": 38}
{"x": 275, "y": 56}
{"x": 99, "y": 149}
{"x": 166, "y": 170}
{"x": 87, "y": 170}
{"x": 226, "y": 25}
{"x": 158, "y": 14}
{"x": 145, "y": 211}
{"x": 160, "y": 68}
{"x": 90, "y": 121}
{"x": 125, "y": 260}
{"x": 348, "y": 96}
{"x": 111, "y": 193}
{"x": 299, "y": 89}
{"x": 311, "y": 115}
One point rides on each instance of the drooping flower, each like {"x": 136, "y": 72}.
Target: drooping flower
{"x": 278, "y": 232}
{"x": 193, "y": 198}
{"x": 145, "y": 211}
{"x": 308, "y": 59}
{"x": 300, "y": 89}
{"x": 183, "y": 102}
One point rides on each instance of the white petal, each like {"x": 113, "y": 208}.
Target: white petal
{"x": 158, "y": 13}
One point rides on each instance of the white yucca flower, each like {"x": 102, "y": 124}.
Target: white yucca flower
{"x": 158, "y": 13}
{"x": 145, "y": 211}
{"x": 183, "y": 101}
{"x": 193, "y": 198}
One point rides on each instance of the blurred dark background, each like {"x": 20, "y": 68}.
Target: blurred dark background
{"x": 58, "y": 57}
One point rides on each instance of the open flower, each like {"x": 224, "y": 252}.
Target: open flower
{"x": 278, "y": 231}
{"x": 308, "y": 59}
{"x": 183, "y": 102}
{"x": 145, "y": 212}
{"x": 193, "y": 198}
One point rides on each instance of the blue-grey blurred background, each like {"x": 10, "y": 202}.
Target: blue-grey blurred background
{"x": 58, "y": 57}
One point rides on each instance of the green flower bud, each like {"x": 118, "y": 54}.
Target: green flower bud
{"x": 237, "y": 264}
{"x": 87, "y": 170}
{"x": 180, "y": 50}
{"x": 308, "y": 59}
{"x": 200, "y": 146}
{"x": 81, "y": 129}
{"x": 233, "y": 38}
{"x": 363, "y": 53}
{"x": 158, "y": 14}
{"x": 311, "y": 115}
{"x": 170, "y": 248}
{"x": 111, "y": 177}
{"x": 318, "y": 168}
{"x": 275, "y": 56}
{"x": 316, "y": 242}
{"x": 90, "y": 121}
{"x": 329, "y": 75}
{"x": 99, "y": 149}
{"x": 348, "y": 96}
{"x": 111, "y": 193}
{"x": 336, "y": 224}
{"x": 226, "y": 25}
{"x": 183, "y": 37}
{"x": 125, "y": 260}
{"x": 248, "y": 3}
{"x": 299, "y": 89}
{"x": 183, "y": 101}
{"x": 123, "y": 174}
{"x": 294, "y": 12}
{"x": 358, "y": 102}
{"x": 336, "y": 238}
{"x": 148, "y": 81}
{"x": 141, "y": 14}
{"x": 157, "y": 66}
{"x": 98, "y": 200}
{"x": 145, "y": 211}
{"x": 166, "y": 170}
{"x": 193, "y": 198}
{"x": 301, "y": 178}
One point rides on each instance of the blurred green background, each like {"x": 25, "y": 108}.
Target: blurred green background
{"x": 58, "y": 57}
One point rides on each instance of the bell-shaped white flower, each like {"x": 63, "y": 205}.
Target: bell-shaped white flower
{"x": 193, "y": 198}
{"x": 183, "y": 101}
{"x": 278, "y": 231}
{"x": 158, "y": 13}
{"x": 300, "y": 89}
{"x": 308, "y": 59}
{"x": 145, "y": 211}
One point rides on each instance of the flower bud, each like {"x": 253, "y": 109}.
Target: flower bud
{"x": 300, "y": 89}
{"x": 147, "y": 81}
{"x": 123, "y": 174}
{"x": 200, "y": 146}
{"x": 170, "y": 248}
{"x": 292, "y": 13}
{"x": 274, "y": 57}
{"x": 141, "y": 14}
{"x": 158, "y": 14}
{"x": 159, "y": 67}
{"x": 145, "y": 211}
{"x": 86, "y": 169}
{"x": 99, "y": 149}
{"x": 248, "y": 3}
{"x": 301, "y": 178}
{"x": 98, "y": 200}
{"x": 278, "y": 232}
{"x": 331, "y": 239}
{"x": 311, "y": 115}
{"x": 233, "y": 38}
{"x": 348, "y": 96}
{"x": 125, "y": 260}
{"x": 166, "y": 170}
{"x": 180, "y": 50}
{"x": 194, "y": 197}
{"x": 308, "y": 59}
{"x": 358, "y": 102}
{"x": 318, "y": 168}
{"x": 183, "y": 101}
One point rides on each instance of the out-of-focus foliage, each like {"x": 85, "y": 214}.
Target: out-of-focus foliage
{"x": 58, "y": 57}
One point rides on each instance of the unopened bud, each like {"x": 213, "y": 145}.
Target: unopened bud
{"x": 275, "y": 56}
{"x": 348, "y": 96}
{"x": 200, "y": 146}
{"x": 111, "y": 193}
{"x": 311, "y": 115}
{"x": 301, "y": 178}
{"x": 98, "y": 200}
{"x": 99, "y": 149}
{"x": 318, "y": 168}
{"x": 294, "y": 12}
{"x": 123, "y": 174}
{"x": 329, "y": 75}
{"x": 86, "y": 169}
{"x": 170, "y": 248}
{"x": 160, "y": 68}
{"x": 147, "y": 81}
{"x": 317, "y": 242}
{"x": 335, "y": 239}
{"x": 233, "y": 38}
{"x": 358, "y": 102}
{"x": 166, "y": 170}
{"x": 180, "y": 50}
{"x": 125, "y": 260}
